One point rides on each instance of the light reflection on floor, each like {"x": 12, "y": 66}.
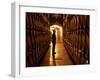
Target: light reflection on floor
{"x": 60, "y": 58}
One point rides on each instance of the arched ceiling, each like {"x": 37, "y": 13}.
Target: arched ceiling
{"x": 56, "y": 19}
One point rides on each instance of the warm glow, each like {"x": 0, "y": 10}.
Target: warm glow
{"x": 59, "y": 38}
{"x": 59, "y": 32}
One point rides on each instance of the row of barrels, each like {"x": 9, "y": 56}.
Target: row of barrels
{"x": 77, "y": 46}
{"x": 76, "y": 38}
{"x": 37, "y": 43}
{"x": 37, "y": 38}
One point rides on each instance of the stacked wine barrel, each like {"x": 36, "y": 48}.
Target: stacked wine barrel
{"x": 76, "y": 37}
{"x": 38, "y": 38}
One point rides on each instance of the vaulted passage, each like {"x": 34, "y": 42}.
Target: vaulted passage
{"x": 60, "y": 57}
{"x": 56, "y": 39}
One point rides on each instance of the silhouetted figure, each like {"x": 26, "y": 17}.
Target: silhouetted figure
{"x": 53, "y": 41}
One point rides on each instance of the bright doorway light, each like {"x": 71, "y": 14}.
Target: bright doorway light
{"x": 59, "y": 32}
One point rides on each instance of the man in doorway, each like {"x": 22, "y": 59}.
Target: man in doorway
{"x": 53, "y": 41}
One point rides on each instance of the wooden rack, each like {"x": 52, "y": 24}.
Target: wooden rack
{"x": 76, "y": 38}
{"x": 38, "y": 38}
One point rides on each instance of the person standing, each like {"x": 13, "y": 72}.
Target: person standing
{"x": 53, "y": 41}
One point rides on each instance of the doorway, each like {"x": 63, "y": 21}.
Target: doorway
{"x": 59, "y": 32}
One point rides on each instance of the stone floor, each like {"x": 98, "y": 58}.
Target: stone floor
{"x": 60, "y": 58}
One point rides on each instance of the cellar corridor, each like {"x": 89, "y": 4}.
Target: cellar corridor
{"x": 61, "y": 56}
{"x": 57, "y": 39}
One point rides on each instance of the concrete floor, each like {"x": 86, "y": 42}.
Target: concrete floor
{"x": 60, "y": 58}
